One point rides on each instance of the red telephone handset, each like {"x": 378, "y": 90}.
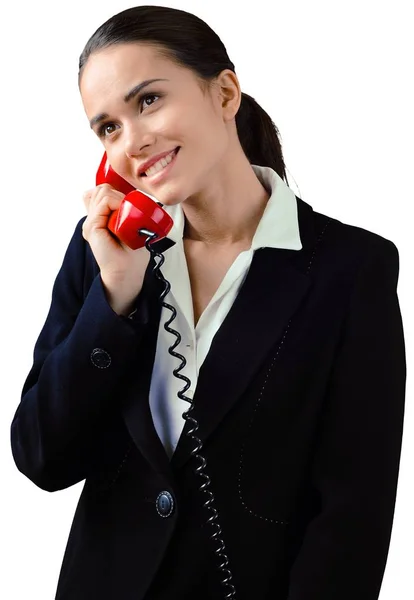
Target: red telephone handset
{"x": 137, "y": 210}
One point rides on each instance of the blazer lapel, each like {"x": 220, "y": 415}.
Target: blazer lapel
{"x": 273, "y": 290}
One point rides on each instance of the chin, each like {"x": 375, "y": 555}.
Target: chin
{"x": 169, "y": 200}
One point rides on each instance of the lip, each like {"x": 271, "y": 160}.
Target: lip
{"x": 151, "y": 161}
{"x": 161, "y": 175}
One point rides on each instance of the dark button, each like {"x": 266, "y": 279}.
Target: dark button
{"x": 100, "y": 358}
{"x": 164, "y": 504}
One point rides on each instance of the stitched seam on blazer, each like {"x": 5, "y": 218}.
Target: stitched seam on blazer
{"x": 121, "y": 464}
{"x": 268, "y": 519}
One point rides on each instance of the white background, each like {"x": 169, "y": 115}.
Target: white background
{"x": 337, "y": 80}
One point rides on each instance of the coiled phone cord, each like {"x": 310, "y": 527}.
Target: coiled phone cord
{"x": 216, "y": 537}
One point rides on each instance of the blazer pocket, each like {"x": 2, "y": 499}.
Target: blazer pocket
{"x": 274, "y": 455}
{"x": 263, "y": 482}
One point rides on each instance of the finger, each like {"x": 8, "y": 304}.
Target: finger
{"x": 107, "y": 200}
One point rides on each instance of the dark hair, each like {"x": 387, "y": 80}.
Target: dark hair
{"x": 188, "y": 41}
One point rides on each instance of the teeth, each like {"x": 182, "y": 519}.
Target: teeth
{"x": 160, "y": 164}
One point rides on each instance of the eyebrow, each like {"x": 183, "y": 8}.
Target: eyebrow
{"x": 131, "y": 94}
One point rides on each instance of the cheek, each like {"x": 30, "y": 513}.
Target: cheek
{"x": 208, "y": 134}
{"x": 213, "y": 143}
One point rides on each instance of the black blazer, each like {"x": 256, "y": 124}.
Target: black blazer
{"x": 300, "y": 402}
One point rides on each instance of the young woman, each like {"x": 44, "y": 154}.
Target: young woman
{"x": 291, "y": 332}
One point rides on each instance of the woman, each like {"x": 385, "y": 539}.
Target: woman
{"x": 290, "y": 327}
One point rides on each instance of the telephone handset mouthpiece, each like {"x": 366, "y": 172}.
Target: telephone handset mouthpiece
{"x": 137, "y": 210}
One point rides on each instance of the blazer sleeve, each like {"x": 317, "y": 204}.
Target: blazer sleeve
{"x": 356, "y": 464}
{"x": 81, "y": 357}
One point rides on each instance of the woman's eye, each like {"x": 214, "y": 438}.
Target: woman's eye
{"x": 146, "y": 97}
{"x": 102, "y": 130}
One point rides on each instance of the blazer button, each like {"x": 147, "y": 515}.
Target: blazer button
{"x": 164, "y": 504}
{"x": 100, "y": 358}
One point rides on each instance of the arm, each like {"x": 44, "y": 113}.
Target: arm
{"x": 355, "y": 468}
{"x": 68, "y": 399}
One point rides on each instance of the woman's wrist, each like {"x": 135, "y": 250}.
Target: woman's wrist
{"x": 121, "y": 296}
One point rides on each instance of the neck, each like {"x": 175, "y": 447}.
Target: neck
{"x": 229, "y": 212}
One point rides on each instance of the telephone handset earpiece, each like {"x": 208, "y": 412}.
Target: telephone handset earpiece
{"x": 137, "y": 210}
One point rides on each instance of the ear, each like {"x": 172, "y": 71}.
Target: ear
{"x": 230, "y": 93}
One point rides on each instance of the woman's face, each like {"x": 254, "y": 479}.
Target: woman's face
{"x": 164, "y": 115}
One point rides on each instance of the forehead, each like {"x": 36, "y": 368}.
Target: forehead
{"x": 123, "y": 66}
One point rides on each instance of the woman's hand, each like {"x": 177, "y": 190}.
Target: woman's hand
{"x": 122, "y": 269}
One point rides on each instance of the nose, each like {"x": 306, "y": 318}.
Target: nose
{"x": 136, "y": 138}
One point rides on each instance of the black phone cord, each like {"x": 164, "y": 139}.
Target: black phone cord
{"x": 216, "y": 536}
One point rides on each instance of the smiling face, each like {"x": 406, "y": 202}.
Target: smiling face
{"x": 166, "y": 114}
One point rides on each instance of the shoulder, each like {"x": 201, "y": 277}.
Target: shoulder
{"x": 337, "y": 253}
{"x": 342, "y": 239}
